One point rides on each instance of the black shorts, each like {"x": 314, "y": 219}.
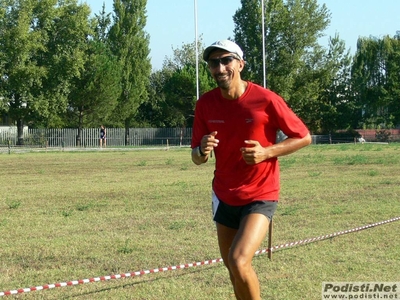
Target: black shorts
{"x": 231, "y": 216}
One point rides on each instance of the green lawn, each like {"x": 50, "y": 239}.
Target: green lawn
{"x": 77, "y": 215}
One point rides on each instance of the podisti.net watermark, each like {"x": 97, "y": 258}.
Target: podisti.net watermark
{"x": 361, "y": 290}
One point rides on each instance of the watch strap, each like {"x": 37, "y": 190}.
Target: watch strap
{"x": 201, "y": 152}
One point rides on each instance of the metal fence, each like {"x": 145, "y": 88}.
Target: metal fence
{"x": 343, "y": 139}
{"x": 89, "y": 137}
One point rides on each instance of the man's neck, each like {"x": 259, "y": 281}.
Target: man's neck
{"x": 235, "y": 91}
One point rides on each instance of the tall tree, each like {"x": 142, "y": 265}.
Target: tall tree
{"x": 130, "y": 43}
{"x": 94, "y": 93}
{"x": 394, "y": 79}
{"x": 292, "y": 28}
{"x": 337, "y": 93}
{"x": 322, "y": 91}
{"x": 376, "y": 77}
{"x": 103, "y": 24}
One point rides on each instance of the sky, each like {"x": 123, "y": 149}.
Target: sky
{"x": 171, "y": 23}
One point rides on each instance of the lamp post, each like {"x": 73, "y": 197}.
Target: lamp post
{"x": 197, "y": 49}
{"x": 263, "y": 42}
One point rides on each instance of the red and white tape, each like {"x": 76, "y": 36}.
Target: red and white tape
{"x": 105, "y": 278}
{"x": 185, "y": 266}
{"x": 324, "y": 237}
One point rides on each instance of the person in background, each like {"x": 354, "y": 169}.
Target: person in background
{"x": 361, "y": 139}
{"x": 239, "y": 121}
{"x": 103, "y": 140}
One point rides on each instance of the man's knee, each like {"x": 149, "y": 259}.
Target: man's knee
{"x": 239, "y": 264}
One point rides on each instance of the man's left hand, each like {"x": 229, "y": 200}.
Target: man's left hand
{"x": 254, "y": 153}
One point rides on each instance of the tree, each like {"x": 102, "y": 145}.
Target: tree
{"x": 322, "y": 90}
{"x": 180, "y": 96}
{"x": 394, "y": 80}
{"x": 337, "y": 93}
{"x": 94, "y": 93}
{"x": 180, "y": 87}
{"x": 248, "y": 34}
{"x": 130, "y": 44}
{"x": 3, "y": 56}
{"x": 43, "y": 44}
{"x": 173, "y": 89}
{"x": 292, "y": 28}
{"x": 376, "y": 77}
{"x": 23, "y": 41}
{"x": 150, "y": 112}
{"x": 103, "y": 25}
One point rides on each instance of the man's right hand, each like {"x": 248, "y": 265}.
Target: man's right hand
{"x": 207, "y": 145}
{"x": 208, "y": 142}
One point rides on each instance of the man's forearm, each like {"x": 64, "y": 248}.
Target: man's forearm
{"x": 288, "y": 146}
{"x": 198, "y": 159}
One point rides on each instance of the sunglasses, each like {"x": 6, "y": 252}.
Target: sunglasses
{"x": 215, "y": 62}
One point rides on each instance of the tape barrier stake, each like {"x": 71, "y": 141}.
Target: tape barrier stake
{"x": 185, "y": 266}
{"x": 270, "y": 230}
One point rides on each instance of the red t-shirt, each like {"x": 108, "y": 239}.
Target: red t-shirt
{"x": 257, "y": 115}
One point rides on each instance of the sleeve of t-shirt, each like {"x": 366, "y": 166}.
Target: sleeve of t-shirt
{"x": 290, "y": 124}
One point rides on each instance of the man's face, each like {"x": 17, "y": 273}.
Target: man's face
{"x": 225, "y": 68}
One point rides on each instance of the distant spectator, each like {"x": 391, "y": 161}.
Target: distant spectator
{"x": 361, "y": 139}
{"x": 103, "y": 136}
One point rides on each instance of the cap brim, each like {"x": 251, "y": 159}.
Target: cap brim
{"x": 209, "y": 49}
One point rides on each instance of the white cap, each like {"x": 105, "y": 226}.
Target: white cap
{"x": 224, "y": 45}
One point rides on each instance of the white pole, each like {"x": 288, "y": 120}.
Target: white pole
{"x": 197, "y": 49}
{"x": 263, "y": 42}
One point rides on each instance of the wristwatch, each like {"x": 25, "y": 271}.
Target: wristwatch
{"x": 198, "y": 152}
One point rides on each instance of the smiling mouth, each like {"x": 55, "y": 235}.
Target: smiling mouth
{"x": 222, "y": 77}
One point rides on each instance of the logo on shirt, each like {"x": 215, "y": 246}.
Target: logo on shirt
{"x": 249, "y": 121}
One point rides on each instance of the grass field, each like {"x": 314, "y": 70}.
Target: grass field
{"x": 76, "y": 215}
